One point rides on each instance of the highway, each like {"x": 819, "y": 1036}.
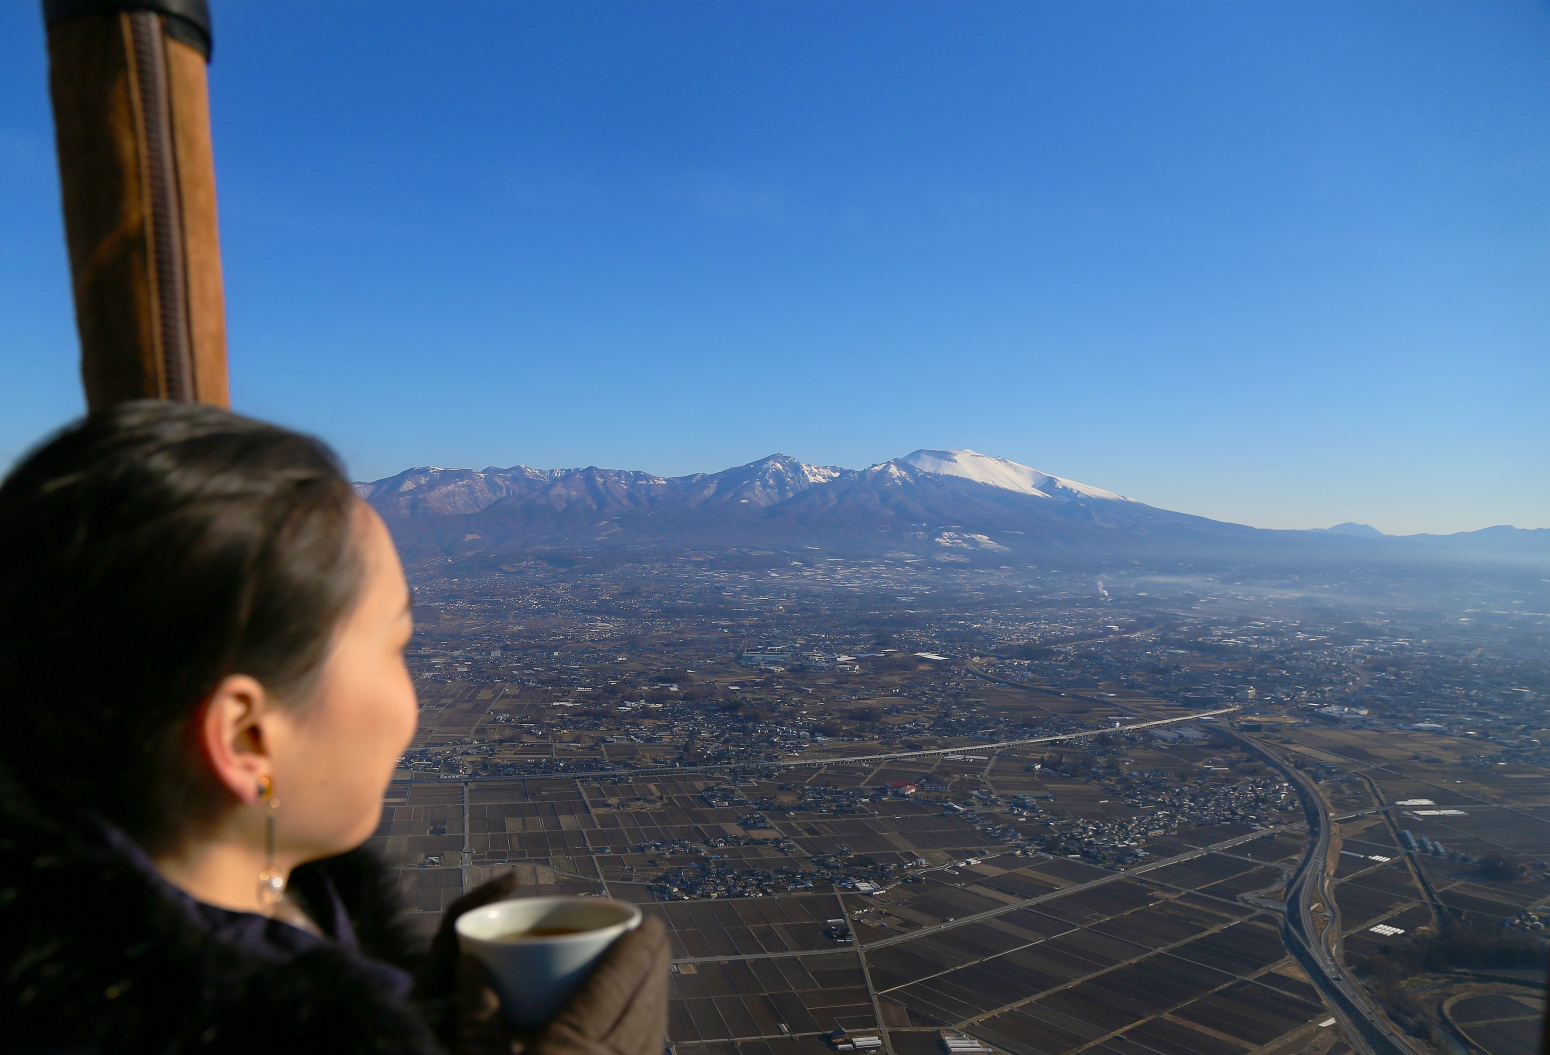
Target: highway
{"x": 1367, "y": 1029}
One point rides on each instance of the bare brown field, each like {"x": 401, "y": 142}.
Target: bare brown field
{"x": 1501, "y": 1023}
{"x": 767, "y": 998}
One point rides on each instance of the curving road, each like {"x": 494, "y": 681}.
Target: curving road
{"x": 1368, "y": 1030}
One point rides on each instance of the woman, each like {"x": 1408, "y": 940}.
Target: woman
{"x": 203, "y": 697}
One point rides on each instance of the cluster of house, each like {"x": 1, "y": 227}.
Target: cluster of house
{"x": 1119, "y": 840}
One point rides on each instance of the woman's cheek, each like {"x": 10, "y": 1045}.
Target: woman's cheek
{"x": 408, "y": 708}
{"x": 400, "y": 721}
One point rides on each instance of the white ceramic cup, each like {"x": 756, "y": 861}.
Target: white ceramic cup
{"x": 535, "y": 976}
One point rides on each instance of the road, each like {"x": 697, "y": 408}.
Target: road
{"x": 1368, "y": 1030}
{"x": 866, "y": 975}
{"x": 864, "y": 948}
{"x": 1440, "y": 913}
{"x": 467, "y": 856}
{"x": 794, "y": 764}
{"x": 1044, "y": 690}
{"x": 998, "y": 910}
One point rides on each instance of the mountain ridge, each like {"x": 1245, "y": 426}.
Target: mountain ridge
{"x": 950, "y": 505}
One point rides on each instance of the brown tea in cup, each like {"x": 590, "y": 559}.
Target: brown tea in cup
{"x": 541, "y": 930}
{"x": 540, "y": 950}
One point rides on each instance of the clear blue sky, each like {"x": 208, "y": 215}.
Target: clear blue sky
{"x": 1282, "y": 264}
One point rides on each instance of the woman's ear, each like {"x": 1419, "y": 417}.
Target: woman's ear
{"x": 231, "y": 733}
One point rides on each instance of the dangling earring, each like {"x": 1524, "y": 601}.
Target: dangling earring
{"x": 271, "y": 884}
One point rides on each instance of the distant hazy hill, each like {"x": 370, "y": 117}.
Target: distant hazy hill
{"x": 1358, "y": 530}
{"x": 952, "y": 506}
{"x": 1503, "y": 541}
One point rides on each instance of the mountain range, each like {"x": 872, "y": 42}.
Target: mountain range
{"x": 952, "y": 505}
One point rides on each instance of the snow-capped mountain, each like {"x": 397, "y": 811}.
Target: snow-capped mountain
{"x": 939, "y": 502}
{"x": 429, "y": 490}
{"x": 1002, "y": 473}
{"x": 946, "y": 505}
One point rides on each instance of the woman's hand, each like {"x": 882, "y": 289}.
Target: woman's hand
{"x": 621, "y": 1009}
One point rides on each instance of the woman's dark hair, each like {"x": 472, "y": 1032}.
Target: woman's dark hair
{"x": 146, "y": 553}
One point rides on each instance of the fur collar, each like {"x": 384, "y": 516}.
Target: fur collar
{"x": 96, "y": 957}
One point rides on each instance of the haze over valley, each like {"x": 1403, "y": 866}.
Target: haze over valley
{"x": 948, "y": 754}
